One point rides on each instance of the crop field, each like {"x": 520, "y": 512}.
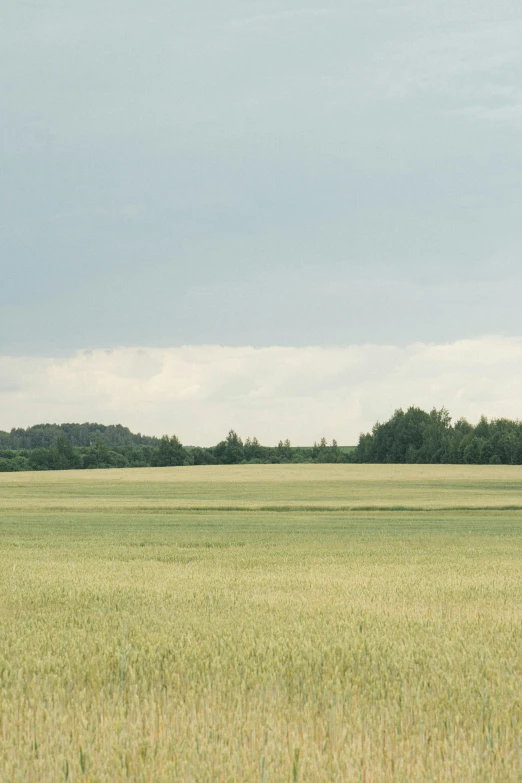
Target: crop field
{"x": 261, "y": 623}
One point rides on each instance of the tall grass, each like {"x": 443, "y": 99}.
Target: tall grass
{"x": 259, "y": 646}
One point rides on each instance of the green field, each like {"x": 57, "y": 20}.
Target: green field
{"x": 261, "y": 623}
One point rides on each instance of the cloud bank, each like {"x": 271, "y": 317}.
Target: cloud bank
{"x": 199, "y": 392}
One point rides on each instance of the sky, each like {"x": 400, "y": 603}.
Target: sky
{"x": 260, "y": 189}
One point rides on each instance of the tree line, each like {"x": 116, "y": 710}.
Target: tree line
{"x": 84, "y": 446}
{"x": 415, "y": 436}
{"x": 411, "y": 436}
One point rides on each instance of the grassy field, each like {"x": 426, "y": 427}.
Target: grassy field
{"x": 261, "y": 623}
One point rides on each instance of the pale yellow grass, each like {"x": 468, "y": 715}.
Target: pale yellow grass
{"x": 173, "y": 645}
{"x": 260, "y": 486}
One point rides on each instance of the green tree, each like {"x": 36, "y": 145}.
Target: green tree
{"x": 231, "y": 450}
{"x": 170, "y": 452}
{"x": 253, "y": 450}
{"x": 202, "y": 456}
{"x": 97, "y": 455}
{"x": 284, "y": 451}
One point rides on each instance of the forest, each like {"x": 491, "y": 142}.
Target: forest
{"x": 83, "y": 446}
{"x": 411, "y": 436}
{"x": 415, "y": 436}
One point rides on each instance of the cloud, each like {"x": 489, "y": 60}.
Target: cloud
{"x": 259, "y": 20}
{"x": 199, "y": 392}
{"x": 264, "y": 173}
{"x": 509, "y": 114}
{"x": 122, "y": 212}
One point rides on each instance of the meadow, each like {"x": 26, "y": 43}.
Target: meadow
{"x": 261, "y": 623}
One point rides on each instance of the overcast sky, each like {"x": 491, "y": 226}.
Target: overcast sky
{"x": 199, "y": 392}
{"x": 259, "y": 174}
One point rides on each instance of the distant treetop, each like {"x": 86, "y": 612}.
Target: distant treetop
{"x": 415, "y": 436}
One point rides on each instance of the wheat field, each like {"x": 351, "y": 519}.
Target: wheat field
{"x": 261, "y": 623}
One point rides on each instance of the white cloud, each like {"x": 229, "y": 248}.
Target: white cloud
{"x": 199, "y": 392}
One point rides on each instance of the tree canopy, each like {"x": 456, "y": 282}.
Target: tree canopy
{"x": 410, "y": 436}
{"x": 89, "y": 446}
{"x": 415, "y": 436}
